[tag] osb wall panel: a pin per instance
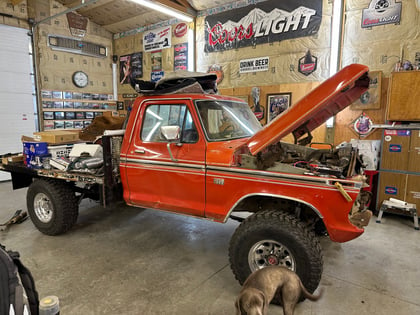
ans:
(298, 91)
(283, 55)
(56, 67)
(344, 119)
(369, 45)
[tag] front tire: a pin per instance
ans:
(52, 206)
(271, 238)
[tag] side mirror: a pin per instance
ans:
(170, 133)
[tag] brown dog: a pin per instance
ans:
(261, 286)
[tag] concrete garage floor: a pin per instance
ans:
(135, 261)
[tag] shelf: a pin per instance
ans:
(64, 116)
(77, 100)
(76, 110)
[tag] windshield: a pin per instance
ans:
(226, 120)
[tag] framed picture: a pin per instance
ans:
(68, 125)
(58, 105)
(77, 95)
(371, 99)
(277, 104)
(80, 115)
(46, 94)
(48, 115)
(78, 124)
(68, 105)
(47, 104)
(57, 94)
(58, 115)
(48, 125)
(58, 124)
(67, 95)
(69, 115)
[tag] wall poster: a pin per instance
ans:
(265, 22)
(156, 39)
(156, 60)
(181, 56)
(131, 67)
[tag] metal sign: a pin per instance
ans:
(77, 24)
(254, 64)
(381, 12)
(307, 64)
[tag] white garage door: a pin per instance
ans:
(17, 114)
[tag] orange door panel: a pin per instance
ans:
(170, 176)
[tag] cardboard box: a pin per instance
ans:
(57, 136)
(395, 150)
(391, 185)
(12, 159)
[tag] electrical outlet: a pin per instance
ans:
(384, 59)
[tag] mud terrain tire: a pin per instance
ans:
(52, 206)
(273, 237)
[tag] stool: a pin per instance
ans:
(409, 207)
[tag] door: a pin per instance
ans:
(168, 174)
(17, 116)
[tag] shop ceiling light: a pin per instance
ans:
(164, 9)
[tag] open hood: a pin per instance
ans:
(323, 102)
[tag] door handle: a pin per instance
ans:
(140, 151)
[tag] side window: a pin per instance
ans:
(157, 116)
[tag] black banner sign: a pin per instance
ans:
(264, 22)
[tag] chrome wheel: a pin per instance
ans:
(270, 253)
(43, 208)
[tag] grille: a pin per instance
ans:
(76, 46)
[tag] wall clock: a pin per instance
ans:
(80, 79)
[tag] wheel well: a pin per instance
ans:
(299, 210)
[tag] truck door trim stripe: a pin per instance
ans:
(162, 163)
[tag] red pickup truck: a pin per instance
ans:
(207, 156)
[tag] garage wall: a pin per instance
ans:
(379, 47)
(56, 67)
(128, 44)
(284, 56)
(18, 11)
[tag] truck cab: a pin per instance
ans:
(172, 141)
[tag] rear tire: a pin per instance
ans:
(52, 206)
(271, 238)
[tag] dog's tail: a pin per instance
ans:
(310, 296)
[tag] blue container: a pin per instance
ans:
(34, 153)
